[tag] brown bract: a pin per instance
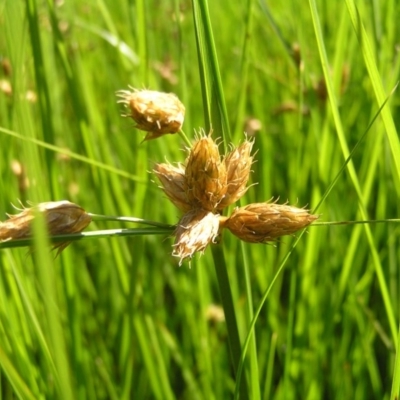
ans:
(265, 222)
(62, 217)
(155, 112)
(206, 177)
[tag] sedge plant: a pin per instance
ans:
(277, 303)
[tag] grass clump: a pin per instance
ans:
(310, 316)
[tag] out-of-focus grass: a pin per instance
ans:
(116, 317)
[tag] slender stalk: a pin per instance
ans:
(88, 235)
(371, 221)
(98, 217)
(230, 315)
(185, 138)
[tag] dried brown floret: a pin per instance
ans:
(238, 166)
(173, 183)
(265, 222)
(195, 231)
(155, 112)
(62, 217)
(206, 178)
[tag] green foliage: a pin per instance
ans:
(116, 317)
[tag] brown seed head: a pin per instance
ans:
(62, 217)
(194, 232)
(173, 183)
(155, 112)
(265, 222)
(238, 165)
(206, 177)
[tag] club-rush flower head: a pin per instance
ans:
(265, 222)
(205, 175)
(194, 232)
(206, 184)
(155, 112)
(62, 217)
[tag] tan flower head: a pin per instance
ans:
(194, 232)
(173, 183)
(238, 166)
(206, 178)
(155, 112)
(265, 222)
(62, 217)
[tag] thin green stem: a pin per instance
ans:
(98, 217)
(185, 138)
(88, 235)
(371, 221)
(230, 315)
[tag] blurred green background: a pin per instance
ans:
(117, 318)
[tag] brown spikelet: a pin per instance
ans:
(173, 183)
(17, 226)
(155, 112)
(62, 217)
(206, 178)
(238, 165)
(265, 222)
(195, 231)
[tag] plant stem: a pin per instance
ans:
(230, 315)
(371, 221)
(98, 217)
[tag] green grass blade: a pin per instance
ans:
(395, 392)
(56, 338)
(69, 153)
(20, 387)
(221, 269)
(216, 115)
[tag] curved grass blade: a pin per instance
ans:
(20, 387)
(71, 154)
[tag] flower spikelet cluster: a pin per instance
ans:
(265, 222)
(206, 184)
(155, 112)
(62, 217)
